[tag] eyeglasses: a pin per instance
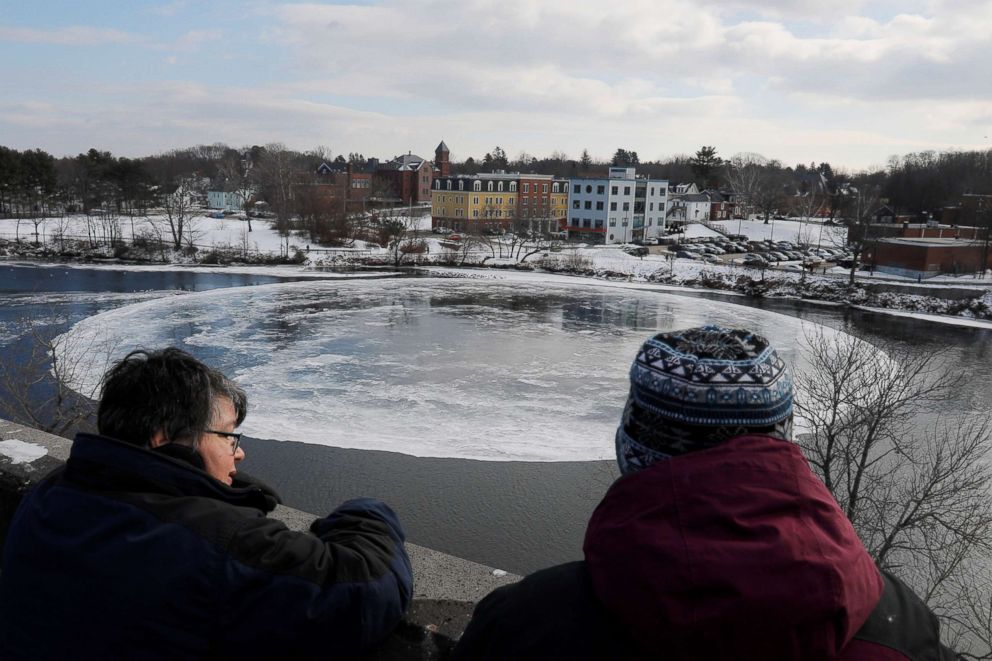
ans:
(228, 434)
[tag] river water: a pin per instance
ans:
(483, 411)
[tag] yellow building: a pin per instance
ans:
(499, 201)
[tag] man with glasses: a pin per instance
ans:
(149, 544)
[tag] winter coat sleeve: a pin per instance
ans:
(337, 591)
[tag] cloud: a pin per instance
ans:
(169, 9)
(67, 36)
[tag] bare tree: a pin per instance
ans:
(860, 204)
(179, 212)
(744, 173)
(920, 498)
(38, 387)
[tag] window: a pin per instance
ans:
(626, 206)
(461, 185)
(526, 188)
(649, 222)
(477, 185)
(475, 200)
(588, 188)
(661, 191)
(489, 200)
(437, 185)
(577, 189)
(613, 206)
(588, 204)
(458, 212)
(586, 223)
(626, 190)
(526, 200)
(449, 184)
(599, 206)
(513, 187)
(613, 190)
(650, 206)
(575, 204)
(652, 191)
(475, 213)
(599, 223)
(613, 223)
(554, 187)
(499, 187)
(601, 189)
(499, 200)
(490, 187)
(544, 188)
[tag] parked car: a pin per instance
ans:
(444, 230)
(686, 255)
(755, 260)
(636, 251)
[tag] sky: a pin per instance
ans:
(847, 82)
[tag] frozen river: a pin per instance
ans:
(424, 366)
(484, 411)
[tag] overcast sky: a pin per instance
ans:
(842, 81)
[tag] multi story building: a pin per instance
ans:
(499, 201)
(408, 177)
(617, 209)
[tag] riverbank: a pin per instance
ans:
(949, 301)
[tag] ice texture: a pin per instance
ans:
(476, 369)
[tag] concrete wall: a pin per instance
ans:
(445, 587)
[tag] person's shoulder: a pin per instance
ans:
(900, 627)
(550, 614)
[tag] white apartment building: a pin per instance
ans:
(617, 209)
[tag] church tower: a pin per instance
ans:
(441, 162)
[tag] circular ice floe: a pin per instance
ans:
(531, 371)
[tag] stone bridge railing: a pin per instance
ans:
(446, 588)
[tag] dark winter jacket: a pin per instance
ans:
(736, 552)
(128, 553)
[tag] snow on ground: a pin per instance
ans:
(693, 230)
(20, 452)
(795, 231)
(208, 232)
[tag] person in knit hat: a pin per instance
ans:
(693, 389)
(716, 542)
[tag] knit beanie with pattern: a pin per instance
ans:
(693, 389)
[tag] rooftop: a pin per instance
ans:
(931, 241)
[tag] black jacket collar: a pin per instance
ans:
(100, 462)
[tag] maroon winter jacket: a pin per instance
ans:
(736, 552)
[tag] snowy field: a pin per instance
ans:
(795, 231)
(208, 232)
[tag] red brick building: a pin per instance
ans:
(339, 184)
(409, 177)
(927, 257)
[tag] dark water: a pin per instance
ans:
(515, 515)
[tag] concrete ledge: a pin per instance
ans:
(446, 588)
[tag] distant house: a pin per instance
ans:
(688, 208)
(684, 189)
(226, 200)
